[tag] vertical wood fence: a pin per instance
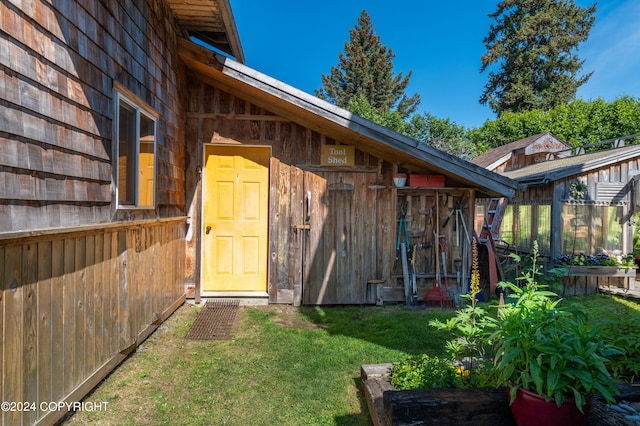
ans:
(76, 302)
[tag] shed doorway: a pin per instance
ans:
(235, 220)
(340, 250)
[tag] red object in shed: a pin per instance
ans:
(426, 181)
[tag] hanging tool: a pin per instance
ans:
(436, 296)
(405, 273)
(465, 251)
(461, 200)
(414, 286)
(402, 228)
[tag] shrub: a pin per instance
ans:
(426, 372)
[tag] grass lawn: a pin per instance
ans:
(284, 366)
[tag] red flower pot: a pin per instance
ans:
(531, 409)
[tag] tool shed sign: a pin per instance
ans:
(338, 155)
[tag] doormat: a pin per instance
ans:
(216, 320)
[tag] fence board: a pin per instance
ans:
(98, 297)
(79, 310)
(113, 328)
(12, 342)
(89, 337)
(124, 314)
(57, 320)
(45, 332)
(68, 315)
(30, 339)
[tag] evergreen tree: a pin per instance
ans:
(533, 44)
(366, 70)
(442, 134)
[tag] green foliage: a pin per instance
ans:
(578, 123)
(390, 119)
(533, 44)
(621, 329)
(426, 372)
(365, 69)
(537, 344)
(549, 350)
(442, 134)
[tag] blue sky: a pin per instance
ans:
(296, 41)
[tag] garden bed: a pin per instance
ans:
(579, 280)
(388, 406)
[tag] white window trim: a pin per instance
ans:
(141, 107)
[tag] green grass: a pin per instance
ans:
(307, 373)
(304, 373)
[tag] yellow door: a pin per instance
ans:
(235, 221)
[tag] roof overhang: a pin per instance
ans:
(340, 124)
(553, 170)
(210, 21)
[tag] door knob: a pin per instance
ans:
(207, 229)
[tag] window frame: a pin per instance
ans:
(140, 109)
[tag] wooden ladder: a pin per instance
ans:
(488, 235)
(493, 219)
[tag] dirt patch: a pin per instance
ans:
(287, 316)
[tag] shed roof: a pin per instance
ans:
(496, 156)
(548, 171)
(210, 21)
(339, 123)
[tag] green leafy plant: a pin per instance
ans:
(470, 345)
(426, 372)
(547, 349)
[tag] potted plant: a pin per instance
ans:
(549, 356)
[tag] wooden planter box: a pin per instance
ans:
(587, 279)
(473, 407)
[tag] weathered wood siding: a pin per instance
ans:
(76, 302)
(82, 282)
(58, 63)
(367, 221)
(332, 229)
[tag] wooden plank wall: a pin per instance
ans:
(76, 302)
(58, 62)
(216, 116)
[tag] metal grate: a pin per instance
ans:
(215, 321)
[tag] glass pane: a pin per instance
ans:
(146, 175)
(506, 228)
(544, 229)
(592, 229)
(612, 234)
(126, 153)
(524, 228)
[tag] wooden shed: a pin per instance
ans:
(135, 162)
(601, 221)
(332, 210)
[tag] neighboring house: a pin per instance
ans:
(135, 161)
(546, 211)
(524, 152)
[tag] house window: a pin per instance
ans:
(136, 148)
